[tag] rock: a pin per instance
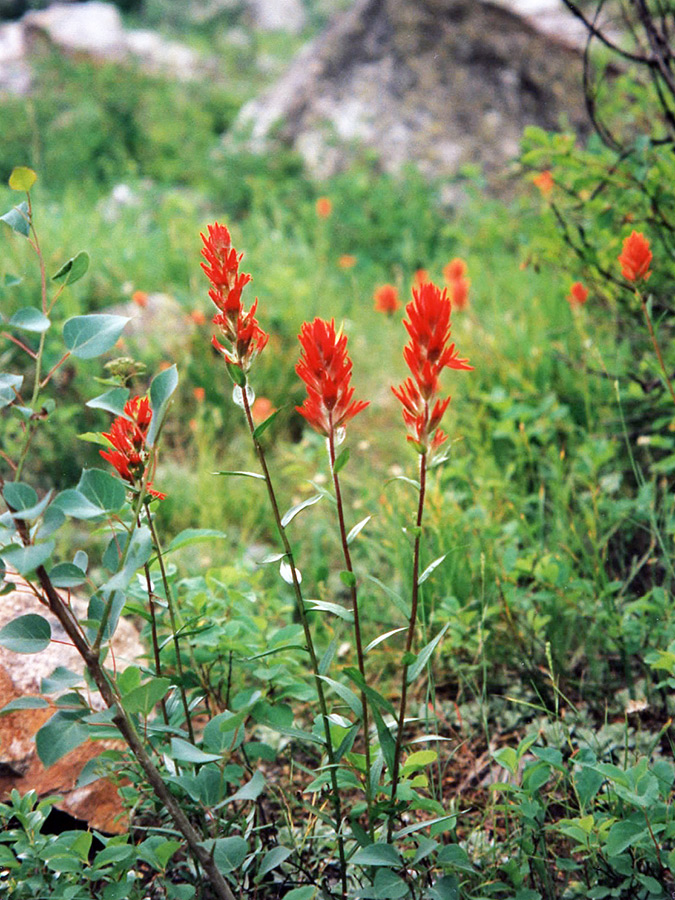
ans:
(440, 83)
(92, 29)
(278, 15)
(21, 675)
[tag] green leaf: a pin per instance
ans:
(73, 270)
(346, 694)
(306, 892)
(61, 734)
(387, 742)
(26, 634)
(73, 503)
(290, 514)
(246, 474)
(102, 489)
(190, 536)
(507, 757)
(19, 496)
(67, 575)
(112, 401)
(18, 219)
(455, 856)
(22, 178)
(161, 389)
(27, 559)
(272, 859)
(8, 860)
(184, 751)
(378, 855)
(143, 699)
(262, 428)
(430, 568)
(424, 655)
(89, 336)
(228, 853)
(419, 760)
(237, 374)
(348, 579)
(357, 529)
(11, 280)
(30, 319)
(341, 461)
(383, 637)
(624, 834)
(9, 386)
(60, 680)
(335, 608)
(93, 437)
(139, 553)
(445, 888)
(23, 703)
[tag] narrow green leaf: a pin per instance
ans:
(246, 474)
(419, 760)
(23, 703)
(161, 389)
(190, 536)
(290, 514)
(387, 742)
(383, 637)
(185, 752)
(251, 790)
(237, 374)
(272, 859)
(424, 655)
(357, 529)
(348, 579)
(335, 608)
(27, 559)
(262, 428)
(93, 437)
(346, 694)
(61, 734)
(30, 319)
(72, 270)
(111, 401)
(430, 568)
(18, 219)
(11, 280)
(139, 553)
(89, 336)
(22, 178)
(341, 461)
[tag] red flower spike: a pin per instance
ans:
(326, 370)
(427, 353)
(386, 299)
(128, 434)
(454, 270)
(635, 257)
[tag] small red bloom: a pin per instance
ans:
(544, 181)
(635, 257)
(454, 270)
(326, 369)
(386, 299)
(421, 277)
(324, 207)
(347, 261)
(128, 434)
(239, 327)
(578, 294)
(140, 298)
(460, 293)
(427, 353)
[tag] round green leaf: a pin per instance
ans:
(67, 575)
(22, 178)
(26, 559)
(18, 219)
(74, 269)
(30, 319)
(89, 336)
(27, 634)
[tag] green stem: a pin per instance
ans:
(172, 617)
(337, 805)
(155, 641)
(655, 343)
(409, 641)
(357, 624)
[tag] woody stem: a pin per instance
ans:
(655, 343)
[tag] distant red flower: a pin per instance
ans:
(635, 257)
(199, 393)
(326, 369)
(198, 317)
(427, 353)
(544, 181)
(454, 270)
(578, 294)
(128, 435)
(386, 299)
(324, 207)
(262, 409)
(239, 327)
(421, 277)
(460, 293)
(140, 298)
(347, 261)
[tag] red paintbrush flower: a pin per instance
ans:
(427, 353)
(578, 294)
(326, 369)
(635, 257)
(128, 434)
(239, 327)
(386, 299)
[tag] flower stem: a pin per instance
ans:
(300, 606)
(357, 624)
(409, 639)
(655, 343)
(172, 617)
